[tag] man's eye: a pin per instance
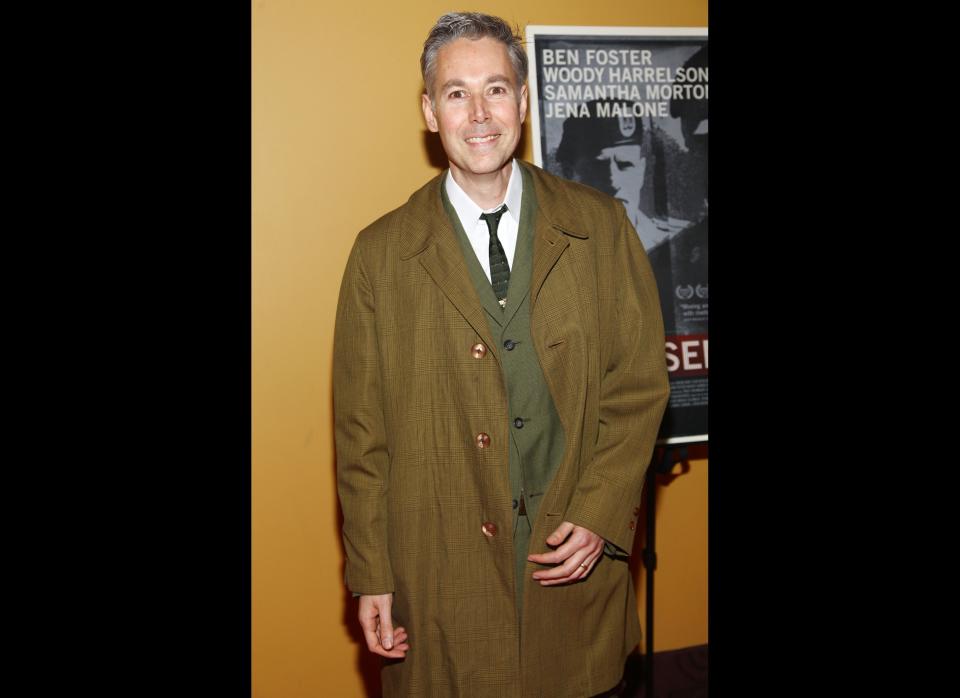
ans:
(498, 90)
(457, 94)
(623, 164)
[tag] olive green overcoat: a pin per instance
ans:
(421, 421)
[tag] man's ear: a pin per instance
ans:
(428, 114)
(642, 166)
(523, 102)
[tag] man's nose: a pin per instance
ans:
(614, 173)
(479, 108)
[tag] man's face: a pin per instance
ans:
(478, 108)
(624, 165)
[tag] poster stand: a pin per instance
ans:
(661, 463)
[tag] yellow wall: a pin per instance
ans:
(337, 141)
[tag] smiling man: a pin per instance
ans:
(499, 378)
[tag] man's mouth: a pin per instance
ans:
(483, 139)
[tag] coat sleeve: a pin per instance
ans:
(361, 444)
(634, 390)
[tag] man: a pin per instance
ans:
(499, 377)
(606, 152)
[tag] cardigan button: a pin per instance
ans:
(478, 350)
(489, 529)
(483, 440)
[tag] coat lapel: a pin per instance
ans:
(555, 220)
(555, 311)
(428, 233)
(548, 246)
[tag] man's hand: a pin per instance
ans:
(574, 559)
(382, 638)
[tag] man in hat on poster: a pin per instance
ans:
(607, 152)
(499, 378)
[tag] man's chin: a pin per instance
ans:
(480, 169)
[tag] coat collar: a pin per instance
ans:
(556, 216)
(554, 208)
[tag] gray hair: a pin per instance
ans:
(471, 25)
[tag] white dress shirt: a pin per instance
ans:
(476, 228)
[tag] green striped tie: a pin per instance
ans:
(499, 268)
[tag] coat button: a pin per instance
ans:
(509, 344)
(632, 524)
(489, 529)
(518, 422)
(478, 350)
(515, 503)
(483, 440)
(636, 511)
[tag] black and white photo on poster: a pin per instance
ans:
(624, 110)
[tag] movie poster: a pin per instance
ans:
(624, 110)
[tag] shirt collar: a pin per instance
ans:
(469, 212)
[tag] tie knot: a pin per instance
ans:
(493, 219)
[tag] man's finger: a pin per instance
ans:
(398, 652)
(564, 570)
(586, 549)
(578, 573)
(373, 642)
(386, 626)
(560, 534)
(368, 623)
(554, 556)
(400, 639)
(580, 539)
